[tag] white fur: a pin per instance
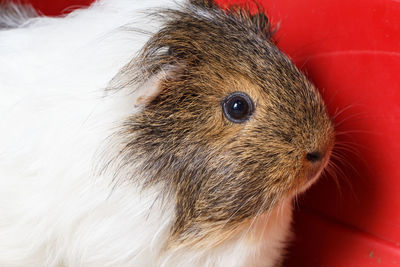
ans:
(55, 117)
(13, 15)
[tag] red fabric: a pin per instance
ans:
(351, 50)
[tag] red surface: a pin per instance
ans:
(325, 243)
(56, 7)
(351, 50)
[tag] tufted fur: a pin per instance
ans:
(114, 150)
(13, 15)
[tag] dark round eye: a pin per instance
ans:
(237, 107)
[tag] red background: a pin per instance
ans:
(351, 50)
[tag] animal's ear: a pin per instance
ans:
(203, 3)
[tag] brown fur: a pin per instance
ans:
(222, 174)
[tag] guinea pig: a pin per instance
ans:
(152, 133)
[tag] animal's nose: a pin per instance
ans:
(314, 156)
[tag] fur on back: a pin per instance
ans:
(57, 120)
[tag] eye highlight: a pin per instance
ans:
(237, 107)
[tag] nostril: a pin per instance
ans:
(314, 156)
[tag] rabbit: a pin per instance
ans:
(152, 133)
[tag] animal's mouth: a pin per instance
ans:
(315, 175)
(314, 170)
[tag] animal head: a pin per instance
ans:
(233, 127)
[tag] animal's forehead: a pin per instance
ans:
(263, 85)
(262, 65)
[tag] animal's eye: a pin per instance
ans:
(237, 107)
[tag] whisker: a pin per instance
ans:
(351, 117)
(345, 177)
(255, 217)
(296, 201)
(338, 113)
(342, 143)
(346, 162)
(230, 218)
(347, 132)
(268, 216)
(329, 102)
(347, 149)
(330, 170)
